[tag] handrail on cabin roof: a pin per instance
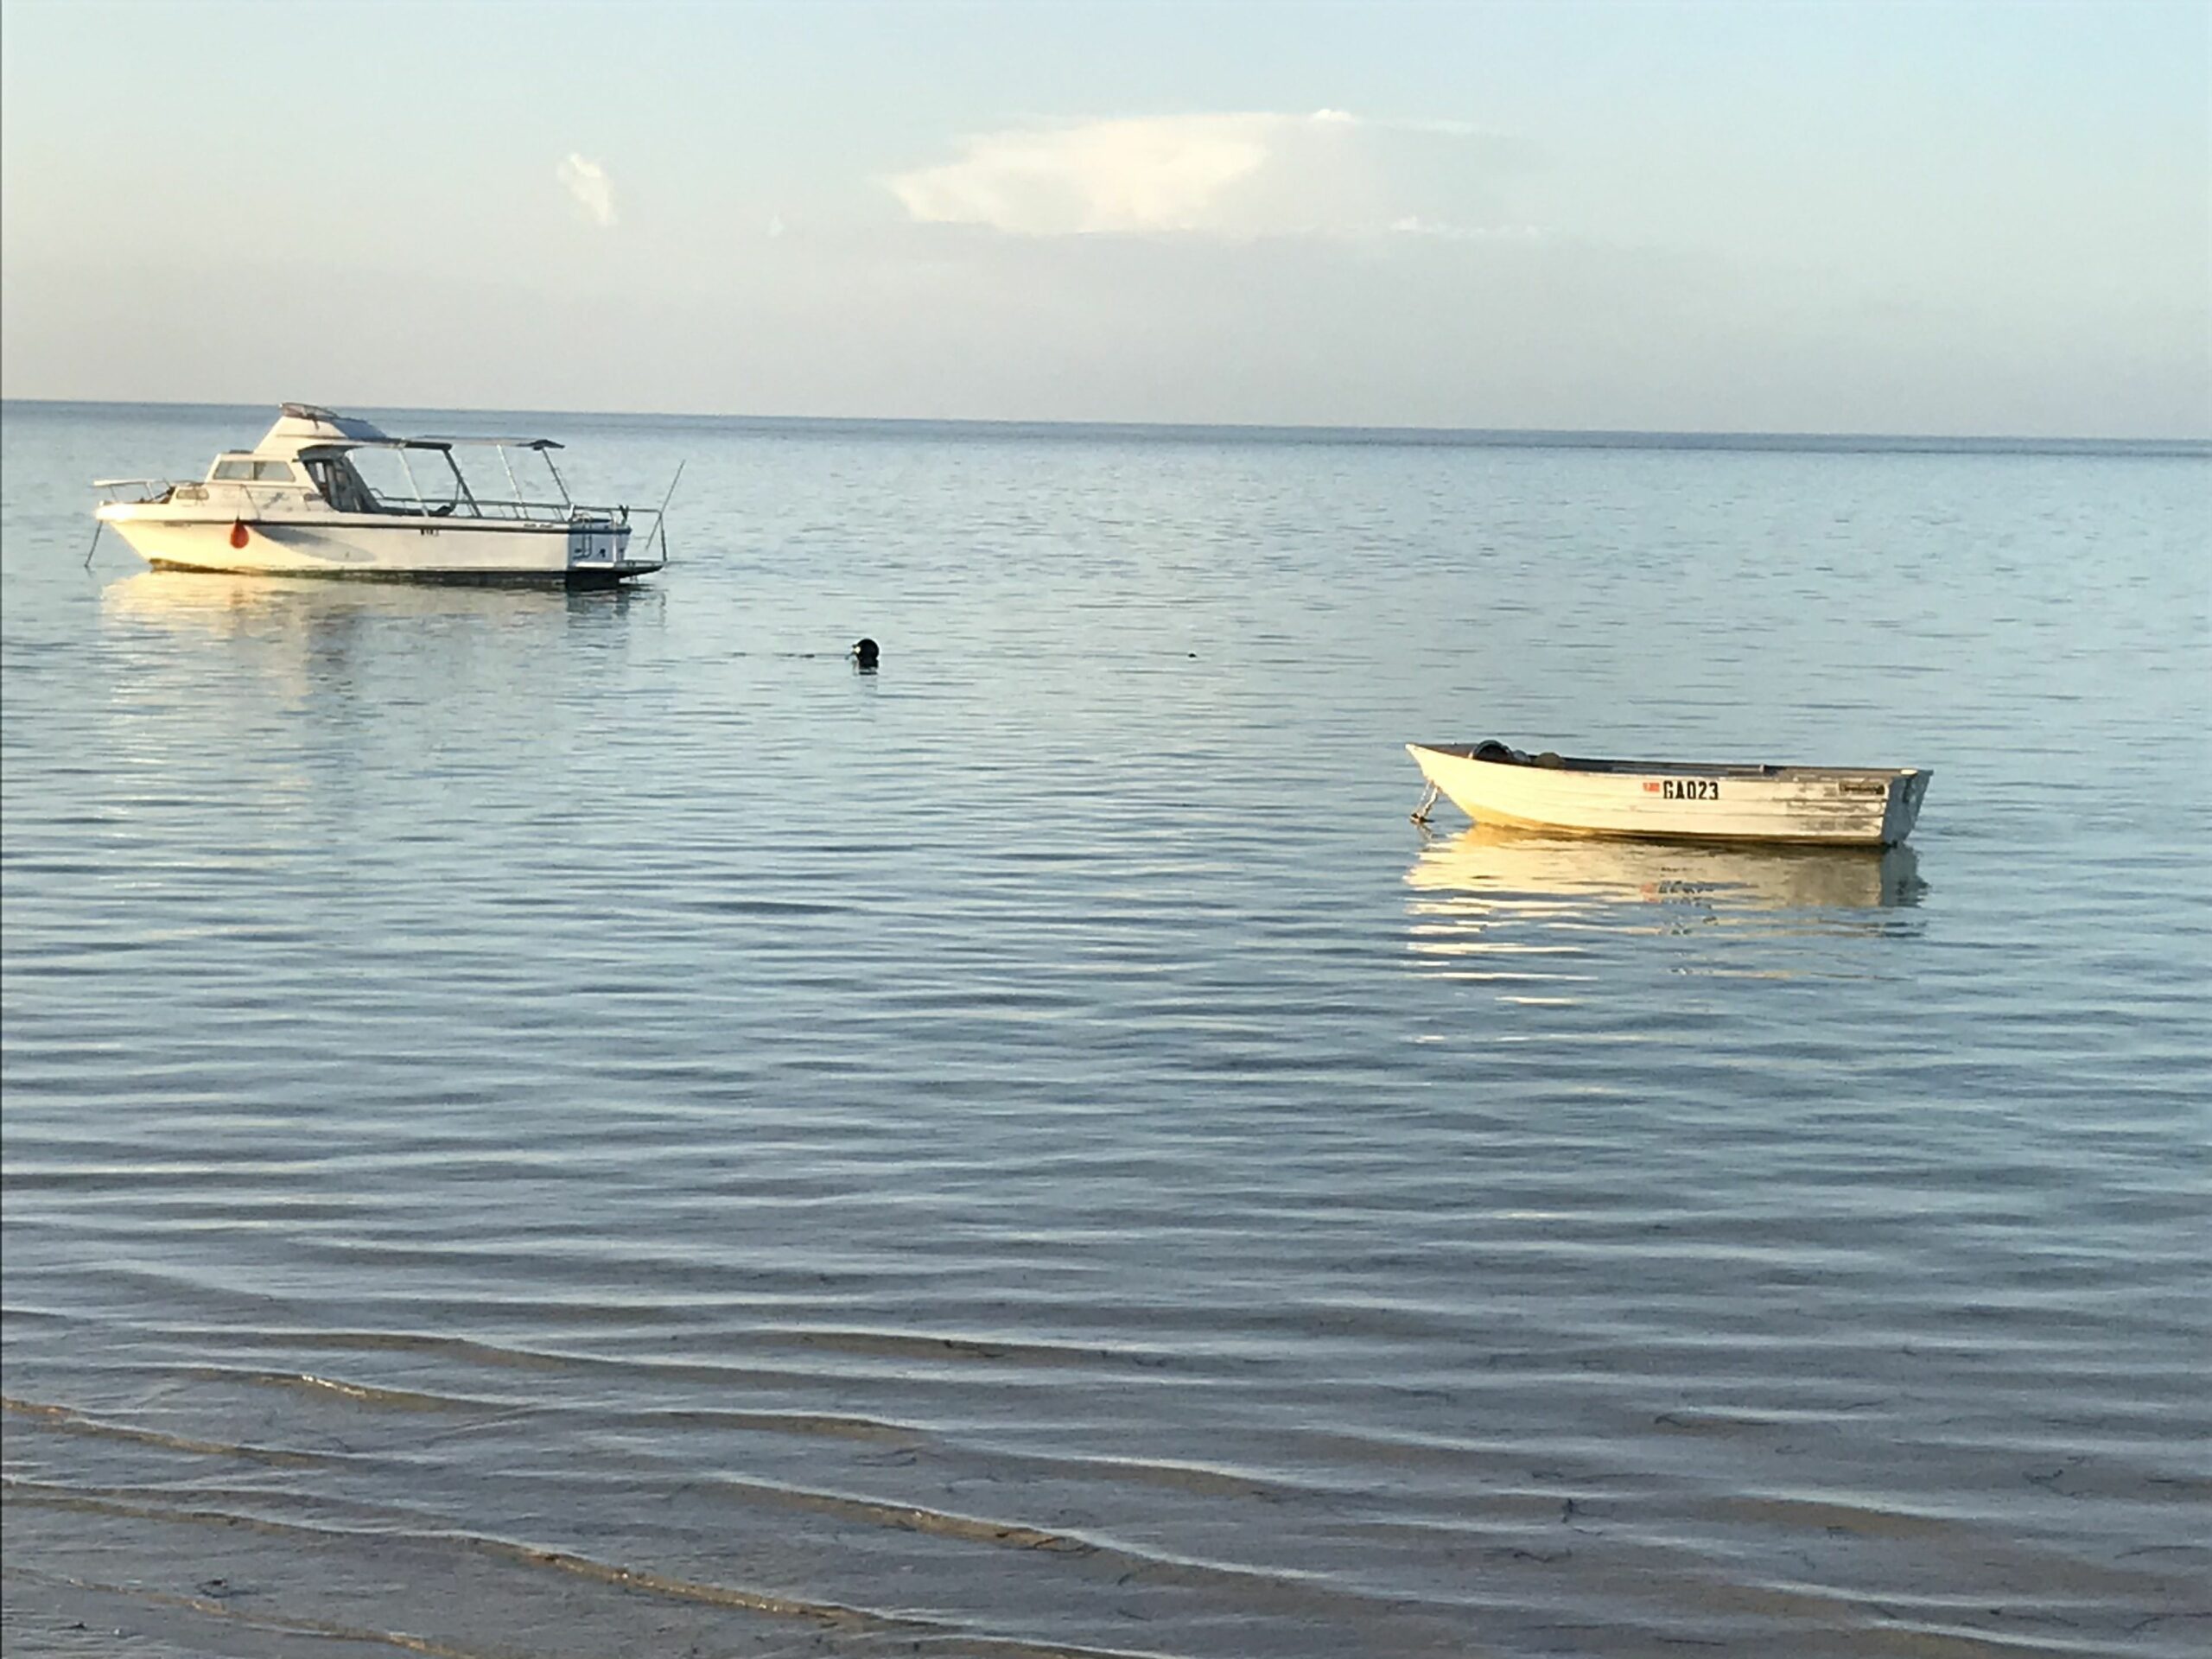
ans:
(322, 416)
(317, 444)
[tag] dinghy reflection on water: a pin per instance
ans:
(1526, 903)
(1497, 861)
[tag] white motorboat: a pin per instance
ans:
(297, 504)
(1836, 806)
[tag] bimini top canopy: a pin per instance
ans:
(301, 427)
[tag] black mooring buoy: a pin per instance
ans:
(864, 656)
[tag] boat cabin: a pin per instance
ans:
(309, 454)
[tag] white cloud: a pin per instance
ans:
(1237, 175)
(587, 182)
(1160, 174)
(1414, 225)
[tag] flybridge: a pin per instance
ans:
(298, 424)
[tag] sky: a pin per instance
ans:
(1880, 218)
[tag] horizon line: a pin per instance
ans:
(1438, 436)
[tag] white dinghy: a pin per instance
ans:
(295, 505)
(1834, 806)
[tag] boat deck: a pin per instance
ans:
(1674, 768)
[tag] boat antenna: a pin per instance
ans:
(660, 519)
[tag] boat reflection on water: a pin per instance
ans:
(1493, 859)
(1526, 894)
(306, 638)
(205, 601)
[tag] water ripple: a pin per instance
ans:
(557, 1123)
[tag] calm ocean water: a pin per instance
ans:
(543, 1124)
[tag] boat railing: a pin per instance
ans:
(144, 491)
(651, 519)
(150, 489)
(533, 512)
(547, 512)
(149, 492)
(643, 523)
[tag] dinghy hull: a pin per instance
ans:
(1833, 806)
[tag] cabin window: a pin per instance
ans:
(241, 470)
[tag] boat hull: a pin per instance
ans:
(407, 549)
(1831, 806)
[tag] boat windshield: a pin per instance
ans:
(404, 480)
(341, 485)
(439, 477)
